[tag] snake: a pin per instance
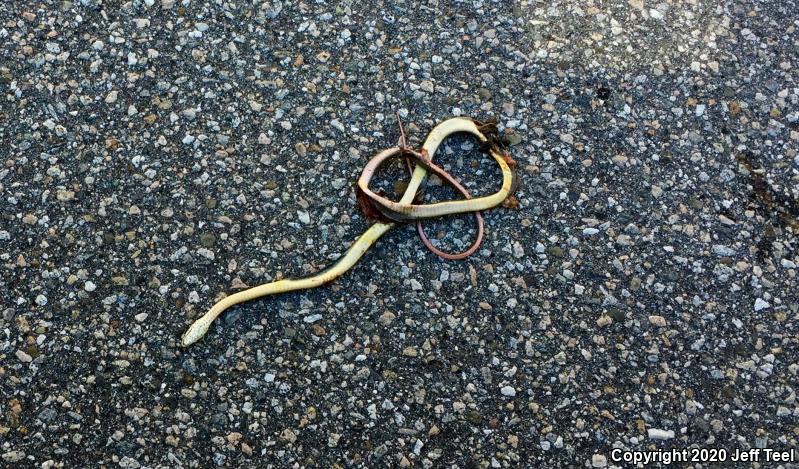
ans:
(388, 213)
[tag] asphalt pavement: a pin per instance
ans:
(159, 153)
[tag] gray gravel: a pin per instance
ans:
(159, 152)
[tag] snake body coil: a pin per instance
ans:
(403, 211)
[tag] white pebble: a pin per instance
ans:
(206, 253)
(140, 317)
(337, 124)
(89, 286)
(23, 357)
(760, 303)
(658, 434)
(508, 391)
(194, 297)
(599, 460)
(659, 321)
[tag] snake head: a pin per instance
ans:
(194, 333)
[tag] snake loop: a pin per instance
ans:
(376, 207)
